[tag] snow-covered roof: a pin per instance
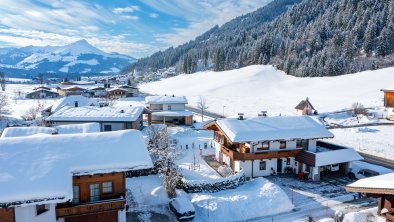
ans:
(329, 157)
(166, 100)
(70, 101)
(173, 113)
(26, 131)
(38, 169)
(388, 90)
(78, 128)
(99, 114)
(128, 87)
(384, 183)
(114, 89)
(62, 129)
(273, 128)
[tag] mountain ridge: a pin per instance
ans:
(77, 57)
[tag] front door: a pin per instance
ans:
(279, 166)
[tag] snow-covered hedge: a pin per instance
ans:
(142, 172)
(215, 185)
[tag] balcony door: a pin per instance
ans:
(279, 165)
(94, 192)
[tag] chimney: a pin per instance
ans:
(76, 104)
(240, 116)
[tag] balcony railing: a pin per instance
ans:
(92, 207)
(234, 155)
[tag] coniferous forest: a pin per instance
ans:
(302, 38)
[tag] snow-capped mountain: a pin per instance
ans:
(77, 57)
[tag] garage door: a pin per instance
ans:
(110, 216)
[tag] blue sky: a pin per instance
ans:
(133, 27)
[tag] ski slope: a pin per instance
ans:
(261, 87)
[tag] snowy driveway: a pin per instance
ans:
(317, 199)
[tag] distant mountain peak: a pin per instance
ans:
(80, 47)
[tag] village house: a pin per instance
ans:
(305, 107)
(381, 187)
(69, 178)
(109, 118)
(41, 92)
(169, 109)
(71, 90)
(263, 146)
(116, 93)
(69, 101)
(132, 91)
(389, 102)
(97, 91)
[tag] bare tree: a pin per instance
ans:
(358, 109)
(163, 155)
(33, 112)
(3, 81)
(41, 78)
(202, 105)
(3, 104)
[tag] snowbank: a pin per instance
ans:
(256, 198)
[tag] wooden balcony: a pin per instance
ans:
(89, 208)
(234, 155)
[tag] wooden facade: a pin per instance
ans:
(7, 215)
(106, 203)
(385, 200)
(389, 99)
(239, 151)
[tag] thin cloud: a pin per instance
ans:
(201, 15)
(153, 15)
(127, 9)
(130, 17)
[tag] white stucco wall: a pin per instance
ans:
(115, 126)
(291, 144)
(174, 106)
(312, 146)
(274, 145)
(29, 214)
(121, 215)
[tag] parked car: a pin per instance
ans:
(330, 168)
(364, 173)
(182, 208)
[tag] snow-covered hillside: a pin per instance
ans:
(262, 87)
(77, 57)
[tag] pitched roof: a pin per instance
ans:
(273, 128)
(70, 101)
(166, 100)
(97, 114)
(38, 169)
(62, 129)
(27, 131)
(303, 104)
(382, 184)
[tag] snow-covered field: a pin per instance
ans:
(374, 140)
(261, 87)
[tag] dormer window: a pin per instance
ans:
(282, 145)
